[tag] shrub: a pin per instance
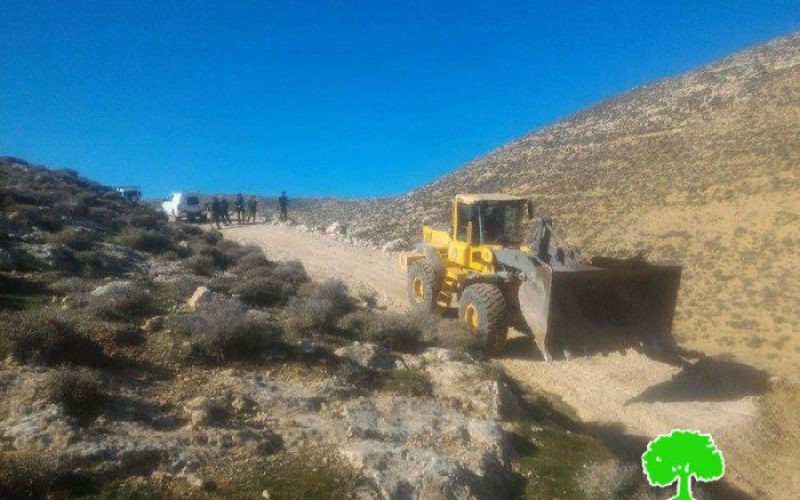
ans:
(70, 285)
(225, 332)
(608, 480)
(51, 339)
(317, 308)
(123, 302)
(264, 292)
(184, 230)
(212, 237)
(145, 240)
(254, 258)
(99, 262)
(230, 252)
(42, 217)
(73, 238)
(200, 264)
(291, 272)
(26, 475)
(403, 332)
(147, 219)
(79, 391)
(407, 383)
(456, 335)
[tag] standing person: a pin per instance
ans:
(238, 206)
(252, 207)
(216, 211)
(225, 211)
(283, 204)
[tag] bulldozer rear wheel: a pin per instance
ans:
(423, 286)
(483, 307)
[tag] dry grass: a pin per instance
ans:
(49, 338)
(122, 304)
(146, 240)
(317, 308)
(403, 332)
(26, 475)
(80, 391)
(263, 292)
(223, 333)
(457, 335)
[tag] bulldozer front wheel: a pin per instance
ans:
(422, 286)
(483, 308)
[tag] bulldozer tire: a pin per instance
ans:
(483, 307)
(423, 287)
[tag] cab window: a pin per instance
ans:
(500, 223)
(464, 214)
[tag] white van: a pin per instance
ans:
(185, 206)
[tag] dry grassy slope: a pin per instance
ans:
(703, 168)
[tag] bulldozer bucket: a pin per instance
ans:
(607, 305)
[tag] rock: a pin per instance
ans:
(207, 411)
(337, 228)
(196, 481)
(203, 298)
(398, 245)
(474, 387)
(154, 324)
(405, 472)
(368, 355)
(113, 288)
(241, 404)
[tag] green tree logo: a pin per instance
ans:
(681, 456)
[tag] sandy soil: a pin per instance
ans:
(626, 398)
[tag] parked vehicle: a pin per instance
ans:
(131, 193)
(186, 206)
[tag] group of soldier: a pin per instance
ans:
(245, 210)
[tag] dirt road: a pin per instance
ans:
(627, 399)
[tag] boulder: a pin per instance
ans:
(116, 288)
(204, 410)
(367, 355)
(474, 388)
(154, 324)
(202, 298)
(337, 228)
(398, 245)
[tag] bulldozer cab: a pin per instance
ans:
(494, 220)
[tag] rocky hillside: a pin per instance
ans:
(701, 168)
(141, 358)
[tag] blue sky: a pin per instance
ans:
(341, 97)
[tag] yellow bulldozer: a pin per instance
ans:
(539, 286)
